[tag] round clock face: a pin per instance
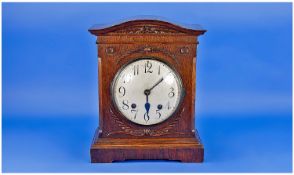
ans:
(147, 91)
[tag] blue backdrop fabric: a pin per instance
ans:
(244, 85)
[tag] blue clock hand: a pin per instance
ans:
(147, 105)
(147, 93)
(146, 115)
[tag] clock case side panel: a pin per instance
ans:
(113, 56)
(100, 92)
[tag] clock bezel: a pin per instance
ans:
(182, 93)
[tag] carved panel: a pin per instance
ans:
(129, 130)
(146, 29)
(147, 49)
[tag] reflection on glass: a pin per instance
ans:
(169, 79)
(128, 77)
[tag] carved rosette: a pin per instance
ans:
(126, 129)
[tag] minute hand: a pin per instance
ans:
(159, 81)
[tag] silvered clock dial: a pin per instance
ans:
(147, 91)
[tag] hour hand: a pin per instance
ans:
(147, 105)
(146, 115)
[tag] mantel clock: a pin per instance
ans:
(147, 83)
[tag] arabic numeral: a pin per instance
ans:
(136, 112)
(168, 106)
(125, 105)
(148, 66)
(159, 70)
(122, 91)
(171, 94)
(159, 107)
(158, 112)
(136, 70)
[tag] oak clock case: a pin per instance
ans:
(147, 83)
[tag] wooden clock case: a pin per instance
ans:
(117, 138)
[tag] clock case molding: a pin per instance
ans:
(117, 138)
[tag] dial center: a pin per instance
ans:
(147, 92)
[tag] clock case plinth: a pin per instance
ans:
(117, 138)
(107, 150)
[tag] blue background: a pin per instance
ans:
(244, 85)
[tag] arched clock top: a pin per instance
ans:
(146, 27)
